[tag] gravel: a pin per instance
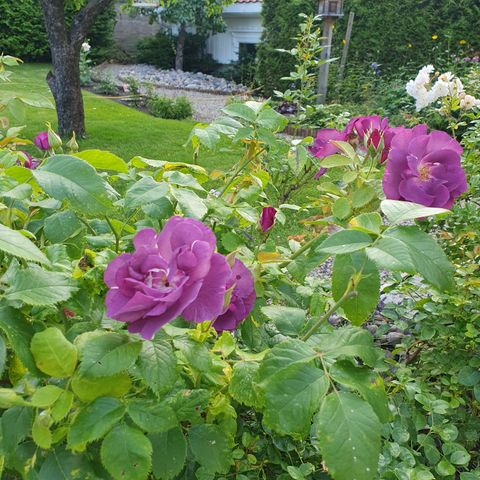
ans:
(207, 94)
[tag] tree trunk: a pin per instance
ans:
(64, 82)
(65, 45)
(182, 34)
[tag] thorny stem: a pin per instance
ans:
(115, 234)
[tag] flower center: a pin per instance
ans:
(423, 173)
(157, 278)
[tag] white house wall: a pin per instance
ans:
(241, 28)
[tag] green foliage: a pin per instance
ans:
(281, 22)
(22, 31)
(174, 109)
(159, 50)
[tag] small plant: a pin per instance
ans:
(85, 64)
(174, 109)
(107, 86)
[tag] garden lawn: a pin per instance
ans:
(111, 126)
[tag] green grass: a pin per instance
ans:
(111, 126)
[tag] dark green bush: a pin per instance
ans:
(22, 32)
(173, 109)
(396, 33)
(281, 22)
(159, 50)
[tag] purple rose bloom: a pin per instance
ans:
(242, 301)
(267, 219)
(41, 141)
(28, 161)
(424, 168)
(322, 147)
(171, 273)
(320, 173)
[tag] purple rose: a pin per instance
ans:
(171, 273)
(267, 219)
(41, 141)
(320, 173)
(323, 147)
(424, 168)
(28, 161)
(371, 130)
(242, 301)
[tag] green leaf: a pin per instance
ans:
(94, 421)
(348, 433)
(19, 333)
(429, 259)
(62, 406)
(65, 177)
(190, 203)
(46, 396)
(144, 192)
(108, 354)
(362, 272)
(271, 119)
(345, 241)
(367, 383)
(363, 196)
(157, 365)
(348, 342)
(391, 254)
(211, 448)
(63, 465)
(61, 226)
(88, 389)
(152, 417)
(183, 180)
(103, 160)
(282, 356)
(241, 110)
(35, 286)
(126, 453)
(41, 434)
(397, 211)
(53, 353)
(292, 397)
(3, 355)
(445, 468)
(189, 405)
(367, 222)
(16, 244)
(289, 321)
(16, 425)
(242, 383)
(169, 453)
(342, 208)
(469, 376)
(335, 161)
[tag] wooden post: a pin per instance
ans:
(343, 62)
(325, 67)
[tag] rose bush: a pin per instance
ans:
(156, 327)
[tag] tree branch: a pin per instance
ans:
(84, 19)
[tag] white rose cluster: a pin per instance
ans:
(86, 47)
(425, 91)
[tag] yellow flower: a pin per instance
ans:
(434, 37)
(462, 42)
(344, 41)
(410, 45)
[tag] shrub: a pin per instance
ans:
(22, 31)
(159, 50)
(107, 86)
(173, 109)
(281, 23)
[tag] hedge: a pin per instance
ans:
(22, 32)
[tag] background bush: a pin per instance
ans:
(281, 23)
(173, 109)
(22, 32)
(159, 50)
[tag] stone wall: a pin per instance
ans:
(130, 29)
